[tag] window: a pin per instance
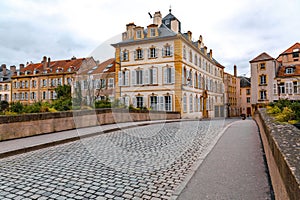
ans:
(138, 76)
(169, 75)
(123, 78)
(262, 65)
(44, 95)
(263, 95)
(191, 104)
(281, 88)
(111, 83)
(44, 83)
(295, 53)
(102, 83)
(248, 92)
(168, 103)
(152, 32)
(69, 81)
(5, 87)
(263, 80)
(248, 99)
(295, 84)
(33, 96)
(125, 55)
(138, 54)
(26, 96)
(274, 88)
(184, 103)
(139, 102)
(289, 70)
(153, 76)
(196, 59)
(33, 83)
(154, 102)
(138, 34)
(191, 56)
(288, 88)
(167, 51)
(152, 52)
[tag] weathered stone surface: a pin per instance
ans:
(284, 143)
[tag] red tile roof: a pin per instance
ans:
(61, 65)
(289, 51)
(107, 66)
(262, 57)
(282, 71)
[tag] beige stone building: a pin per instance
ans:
(37, 81)
(160, 68)
(245, 96)
(272, 79)
(5, 82)
(232, 94)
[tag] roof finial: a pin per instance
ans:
(170, 9)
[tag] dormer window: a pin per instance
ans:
(70, 69)
(289, 70)
(27, 72)
(152, 32)
(138, 34)
(35, 71)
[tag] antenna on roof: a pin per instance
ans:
(150, 15)
(170, 9)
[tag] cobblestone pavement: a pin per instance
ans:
(147, 162)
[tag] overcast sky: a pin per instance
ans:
(236, 30)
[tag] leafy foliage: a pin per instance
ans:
(285, 111)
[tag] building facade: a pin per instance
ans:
(5, 82)
(37, 81)
(161, 68)
(97, 83)
(232, 94)
(273, 79)
(245, 96)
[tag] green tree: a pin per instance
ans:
(64, 98)
(4, 105)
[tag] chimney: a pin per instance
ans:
(234, 71)
(200, 42)
(44, 62)
(130, 30)
(21, 67)
(157, 19)
(205, 50)
(48, 64)
(189, 33)
(13, 69)
(210, 53)
(3, 66)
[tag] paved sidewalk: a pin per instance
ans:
(234, 169)
(22, 145)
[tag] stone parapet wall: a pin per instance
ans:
(12, 127)
(282, 147)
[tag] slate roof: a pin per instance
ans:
(245, 81)
(107, 66)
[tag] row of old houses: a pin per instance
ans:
(160, 68)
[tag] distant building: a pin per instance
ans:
(37, 81)
(98, 82)
(232, 94)
(5, 82)
(272, 79)
(245, 96)
(161, 68)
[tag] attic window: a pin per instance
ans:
(167, 22)
(89, 72)
(109, 66)
(295, 53)
(289, 70)
(139, 34)
(70, 69)
(152, 32)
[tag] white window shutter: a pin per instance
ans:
(147, 76)
(134, 102)
(142, 75)
(135, 55)
(126, 77)
(156, 52)
(142, 53)
(144, 101)
(126, 101)
(148, 50)
(120, 78)
(122, 56)
(162, 51)
(161, 103)
(183, 77)
(171, 103)
(154, 70)
(173, 75)
(165, 75)
(133, 77)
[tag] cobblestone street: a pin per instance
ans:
(148, 162)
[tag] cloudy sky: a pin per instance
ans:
(236, 30)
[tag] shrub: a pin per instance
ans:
(273, 110)
(286, 115)
(16, 107)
